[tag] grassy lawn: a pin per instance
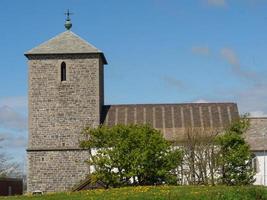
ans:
(159, 193)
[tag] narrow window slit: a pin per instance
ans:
(63, 71)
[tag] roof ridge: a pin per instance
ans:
(160, 104)
(84, 41)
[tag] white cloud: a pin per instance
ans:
(17, 142)
(9, 140)
(219, 3)
(249, 100)
(257, 114)
(173, 82)
(3, 136)
(253, 99)
(201, 50)
(14, 102)
(11, 119)
(201, 101)
(231, 57)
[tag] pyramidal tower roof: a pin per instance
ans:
(65, 43)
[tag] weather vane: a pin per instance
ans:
(68, 23)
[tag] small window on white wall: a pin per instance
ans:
(255, 164)
(63, 71)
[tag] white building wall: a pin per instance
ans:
(260, 164)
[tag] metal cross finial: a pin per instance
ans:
(68, 14)
(68, 23)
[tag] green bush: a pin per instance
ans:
(130, 155)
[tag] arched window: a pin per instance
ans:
(63, 71)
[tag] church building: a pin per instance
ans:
(66, 94)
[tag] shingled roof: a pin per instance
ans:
(255, 134)
(65, 43)
(172, 119)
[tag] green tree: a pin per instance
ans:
(125, 155)
(235, 155)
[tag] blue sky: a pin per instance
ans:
(159, 51)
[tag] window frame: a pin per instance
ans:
(63, 71)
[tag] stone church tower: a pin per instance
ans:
(66, 94)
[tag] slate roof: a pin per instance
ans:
(255, 134)
(65, 43)
(172, 119)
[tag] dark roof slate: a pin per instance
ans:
(172, 119)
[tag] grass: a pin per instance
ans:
(158, 193)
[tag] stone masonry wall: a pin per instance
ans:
(56, 170)
(58, 111)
